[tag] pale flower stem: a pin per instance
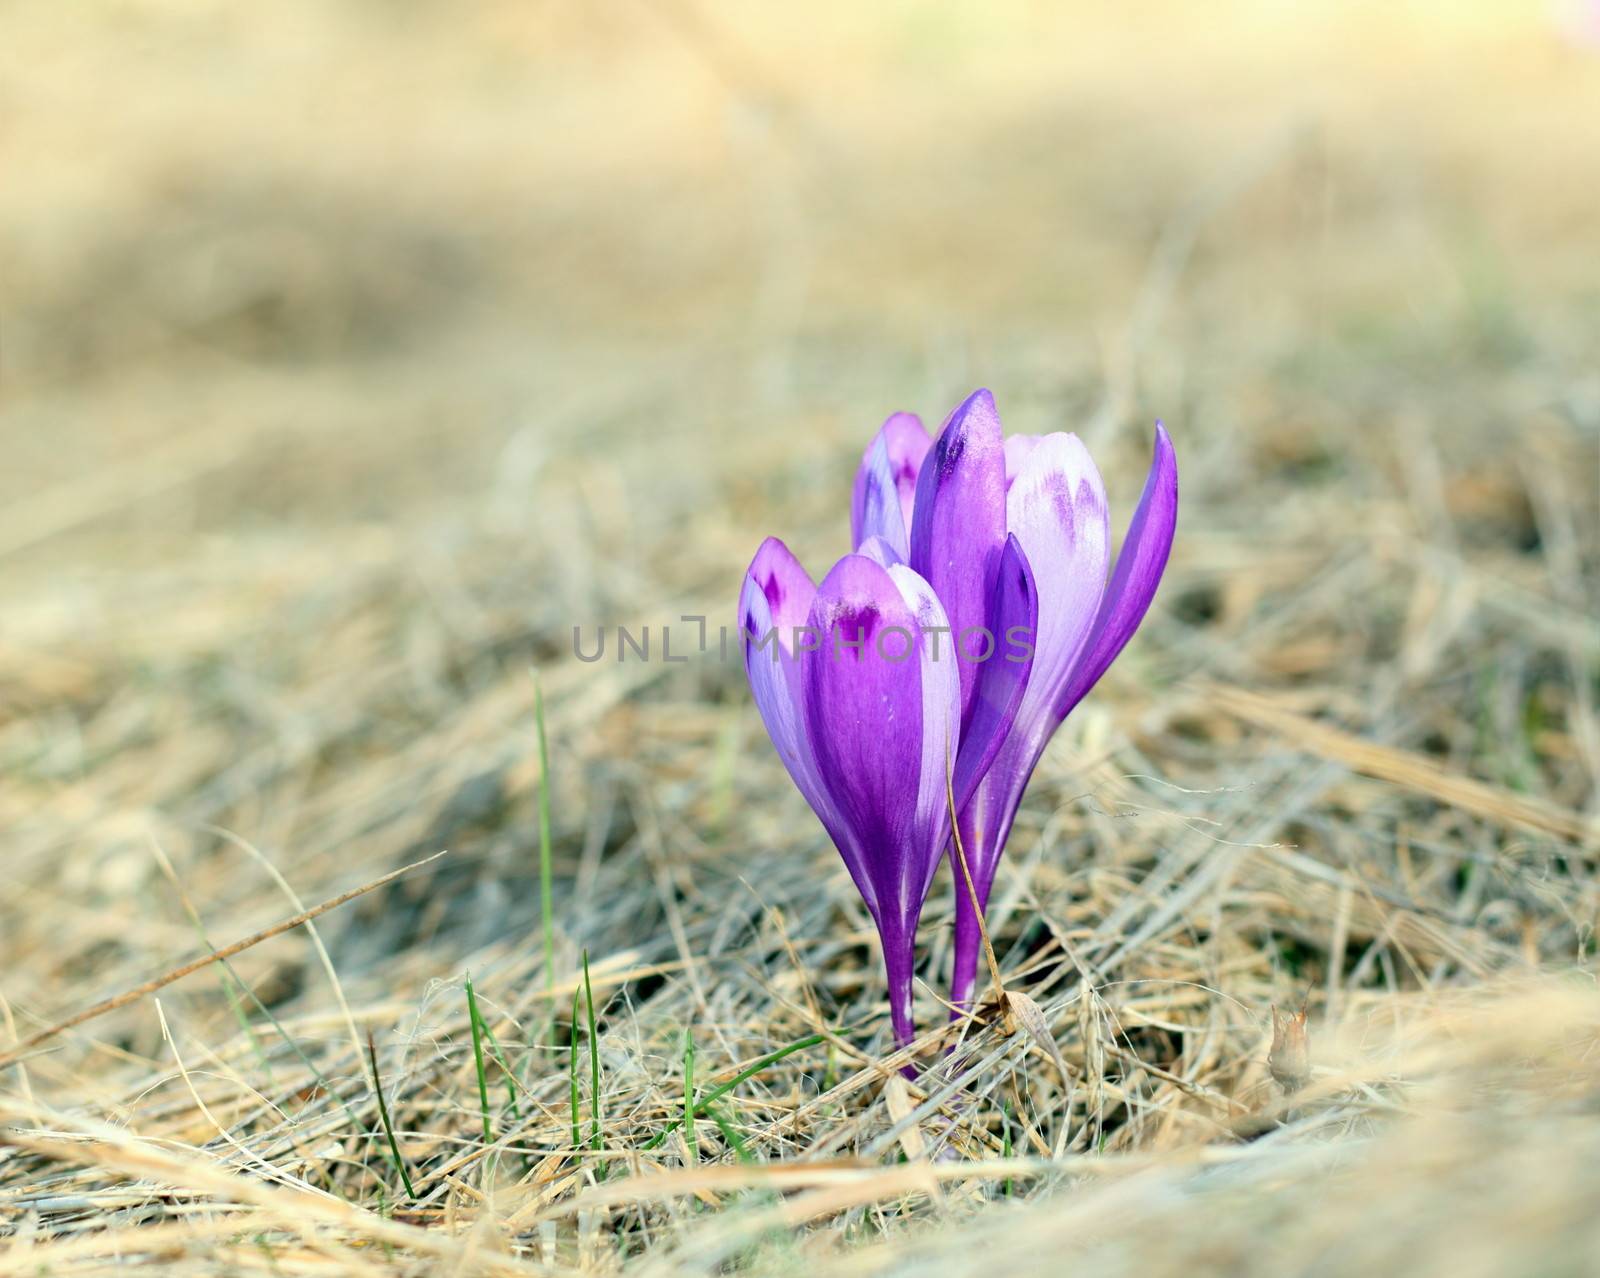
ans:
(966, 875)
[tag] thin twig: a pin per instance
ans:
(205, 960)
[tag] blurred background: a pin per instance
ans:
(350, 355)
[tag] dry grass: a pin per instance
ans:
(353, 354)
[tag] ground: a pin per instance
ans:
(353, 355)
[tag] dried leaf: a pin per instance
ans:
(1290, 1057)
(897, 1096)
(1024, 1012)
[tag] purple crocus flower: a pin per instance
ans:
(1037, 499)
(959, 545)
(866, 717)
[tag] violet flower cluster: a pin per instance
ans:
(937, 660)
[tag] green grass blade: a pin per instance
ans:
(477, 1058)
(511, 1080)
(232, 986)
(547, 916)
(383, 1114)
(572, 1076)
(722, 1089)
(595, 1139)
(730, 1133)
(688, 1093)
(1005, 1147)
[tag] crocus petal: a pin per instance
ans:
(1057, 509)
(880, 714)
(1140, 563)
(941, 687)
(1003, 677)
(786, 585)
(1018, 449)
(958, 525)
(777, 597)
(880, 552)
(1083, 625)
(886, 483)
(862, 707)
